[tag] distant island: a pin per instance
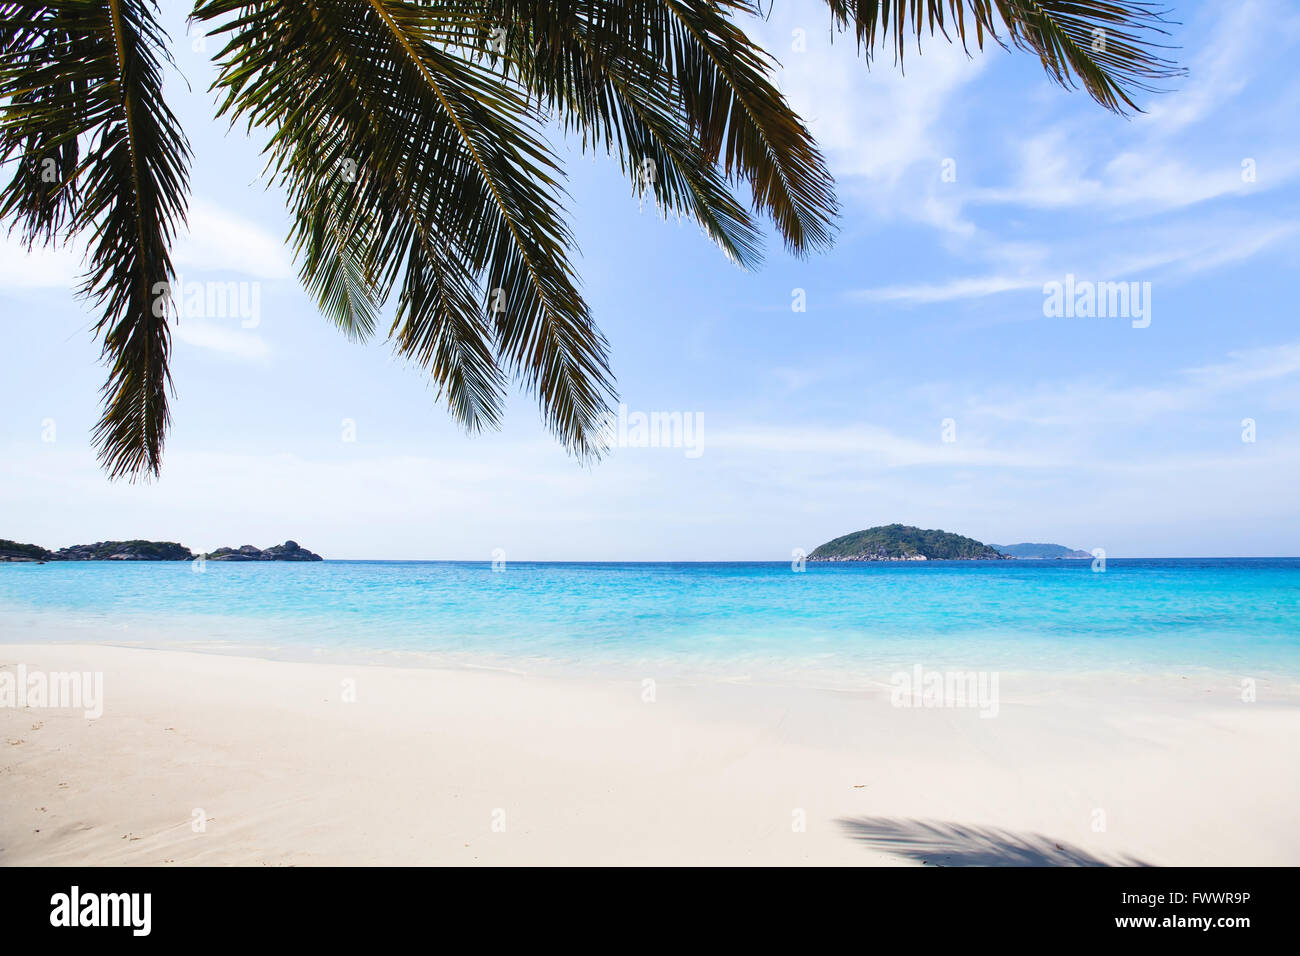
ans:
(150, 551)
(899, 542)
(289, 551)
(1040, 551)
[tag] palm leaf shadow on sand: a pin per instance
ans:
(940, 843)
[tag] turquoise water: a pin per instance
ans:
(1237, 615)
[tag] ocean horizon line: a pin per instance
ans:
(488, 559)
(777, 561)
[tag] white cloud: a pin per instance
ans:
(926, 293)
(1236, 248)
(873, 445)
(1248, 367)
(220, 243)
(42, 268)
(1167, 253)
(1052, 174)
(216, 242)
(227, 339)
(872, 122)
(1084, 403)
(1219, 70)
(1120, 181)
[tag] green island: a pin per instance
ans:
(900, 542)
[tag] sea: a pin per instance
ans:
(830, 624)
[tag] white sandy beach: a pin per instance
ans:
(473, 767)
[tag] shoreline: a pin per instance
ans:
(859, 676)
(477, 766)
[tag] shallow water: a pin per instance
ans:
(732, 619)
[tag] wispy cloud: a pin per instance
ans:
(1167, 253)
(925, 293)
(1093, 403)
(1219, 71)
(1159, 196)
(874, 123)
(215, 243)
(220, 243)
(41, 268)
(225, 339)
(1054, 173)
(873, 445)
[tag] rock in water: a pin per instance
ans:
(150, 551)
(289, 551)
(125, 551)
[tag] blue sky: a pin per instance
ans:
(1081, 430)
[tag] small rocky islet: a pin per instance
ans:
(289, 551)
(139, 550)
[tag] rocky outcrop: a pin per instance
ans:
(149, 551)
(246, 553)
(125, 551)
(289, 551)
(17, 551)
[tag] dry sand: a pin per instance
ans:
(474, 767)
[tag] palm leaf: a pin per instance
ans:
(38, 135)
(332, 242)
(85, 79)
(463, 193)
(746, 123)
(605, 69)
(608, 63)
(1110, 47)
(543, 328)
(343, 149)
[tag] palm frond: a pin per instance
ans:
(1112, 48)
(744, 121)
(39, 130)
(85, 80)
(332, 239)
(601, 67)
(341, 92)
(544, 331)
(1108, 45)
(606, 63)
